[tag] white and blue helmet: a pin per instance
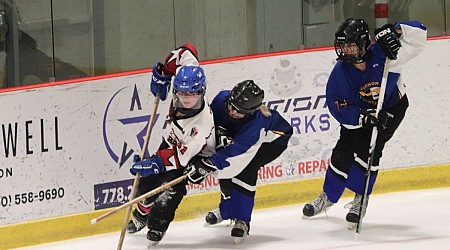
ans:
(189, 84)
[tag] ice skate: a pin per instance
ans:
(152, 244)
(353, 214)
(240, 231)
(154, 237)
(213, 217)
(136, 224)
(319, 205)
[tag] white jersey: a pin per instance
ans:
(185, 55)
(189, 137)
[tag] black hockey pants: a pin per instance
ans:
(162, 211)
(357, 141)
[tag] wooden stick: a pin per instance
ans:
(136, 179)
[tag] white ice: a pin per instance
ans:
(402, 220)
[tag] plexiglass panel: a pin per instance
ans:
(46, 40)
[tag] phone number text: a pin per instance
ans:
(30, 197)
(112, 194)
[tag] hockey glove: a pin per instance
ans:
(223, 137)
(368, 120)
(388, 38)
(198, 169)
(160, 83)
(151, 166)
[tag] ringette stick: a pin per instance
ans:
(373, 140)
(136, 179)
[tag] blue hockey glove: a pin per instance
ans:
(198, 168)
(388, 38)
(368, 120)
(151, 166)
(160, 83)
(136, 158)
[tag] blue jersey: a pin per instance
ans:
(349, 90)
(248, 135)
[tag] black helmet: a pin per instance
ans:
(352, 31)
(246, 97)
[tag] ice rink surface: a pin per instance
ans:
(403, 220)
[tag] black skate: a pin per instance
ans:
(213, 217)
(353, 214)
(154, 236)
(319, 205)
(135, 225)
(240, 231)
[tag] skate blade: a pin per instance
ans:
(219, 224)
(212, 225)
(152, 244)
(238, 240)
(304, 217)
(351, 225)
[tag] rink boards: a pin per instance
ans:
(65, 161)
(194, 206)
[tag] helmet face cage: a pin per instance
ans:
(189, 87)
(246, 97)
(352, 32)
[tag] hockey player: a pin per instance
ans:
(191, 133)
(186, 55)
(259, 136)
(352, 96)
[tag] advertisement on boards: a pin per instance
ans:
(68, 148)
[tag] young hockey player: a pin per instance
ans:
(352, 96)
(258, 135)
(191, 133)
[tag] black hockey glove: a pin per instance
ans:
(368, 120)
(223, 137)
(198, 168)
(388, 38)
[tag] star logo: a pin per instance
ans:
(125, 118)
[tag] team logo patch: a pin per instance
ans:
(369, 92)
(193, 132)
